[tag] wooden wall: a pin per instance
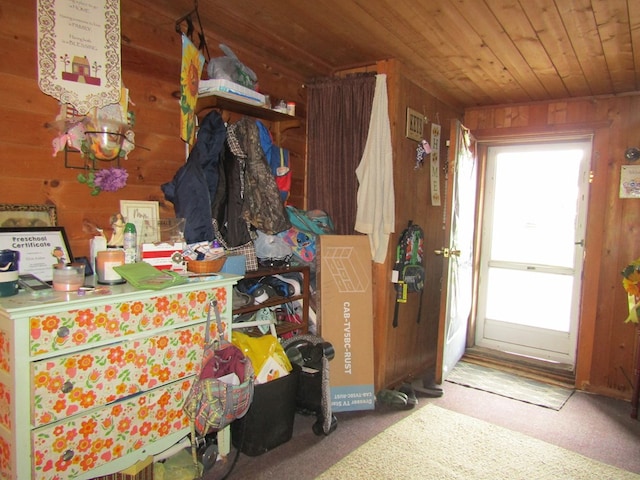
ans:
(605, 343)
(151, 57)
(151, 67)
(410, 349)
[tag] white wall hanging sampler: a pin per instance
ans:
(79, 52)
(435, 164)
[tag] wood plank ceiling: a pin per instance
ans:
(465, 52)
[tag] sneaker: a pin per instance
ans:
(240, 299)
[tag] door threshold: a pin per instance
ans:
(559, 374)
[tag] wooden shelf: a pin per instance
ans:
(215, 101)
(272, 302)
(282, 328)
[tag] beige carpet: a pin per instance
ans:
(434, 443)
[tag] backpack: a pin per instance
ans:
(305, 227)
(408, 271)
(310, 221)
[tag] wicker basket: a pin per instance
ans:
(206, 266)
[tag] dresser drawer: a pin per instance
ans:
(85, 442)
(81, 327)
(70, 384)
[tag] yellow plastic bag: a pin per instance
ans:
(260, 349)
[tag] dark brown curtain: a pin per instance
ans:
(339, 110)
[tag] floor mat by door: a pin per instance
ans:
(509, 385)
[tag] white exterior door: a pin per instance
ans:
(532, 249)
(457, 254)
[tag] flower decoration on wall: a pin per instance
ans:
(631, 284)
(104, 135)
(192, 65)
(104, 180)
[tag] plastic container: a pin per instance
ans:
(9, 272)
(68, 278)
(269, 421)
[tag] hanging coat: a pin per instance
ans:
(227, 204)
(194, 185)
(263, 207)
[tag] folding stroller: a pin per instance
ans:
(313, 354)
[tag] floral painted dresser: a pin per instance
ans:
(91, 384)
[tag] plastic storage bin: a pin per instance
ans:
(269, 421)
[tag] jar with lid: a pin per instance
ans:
(105, 261)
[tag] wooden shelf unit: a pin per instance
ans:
(280, 121)
(284, 327)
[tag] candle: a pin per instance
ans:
(105, 261)
(68, 278)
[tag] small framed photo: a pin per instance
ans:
(144, 215)
(22, 216)
(415, 125)
(40, 249)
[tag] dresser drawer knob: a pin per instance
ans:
(67, 386)
(63, 332)
(68, 455)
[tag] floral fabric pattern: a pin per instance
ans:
(105, 380)
(5, 352)
(5, 411)
(86, 442)
(5, 459)
(67, 385)
(81, 327)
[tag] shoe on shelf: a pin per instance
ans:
(241, 299)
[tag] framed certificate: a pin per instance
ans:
(40, 249)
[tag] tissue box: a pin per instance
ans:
(164, 256)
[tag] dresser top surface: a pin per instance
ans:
(26, 302)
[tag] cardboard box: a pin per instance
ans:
(346, 318)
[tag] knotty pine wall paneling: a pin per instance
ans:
(151, 58)
(409, 350)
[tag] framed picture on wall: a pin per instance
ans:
(21, 216)
(415, 125)
(144, 215)
(40, 249)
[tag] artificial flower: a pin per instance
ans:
(631, 284)
(111, 179)
(108, 179)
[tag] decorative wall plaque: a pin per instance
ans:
(79, 52)
(415, 125)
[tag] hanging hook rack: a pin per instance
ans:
(186, 19)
